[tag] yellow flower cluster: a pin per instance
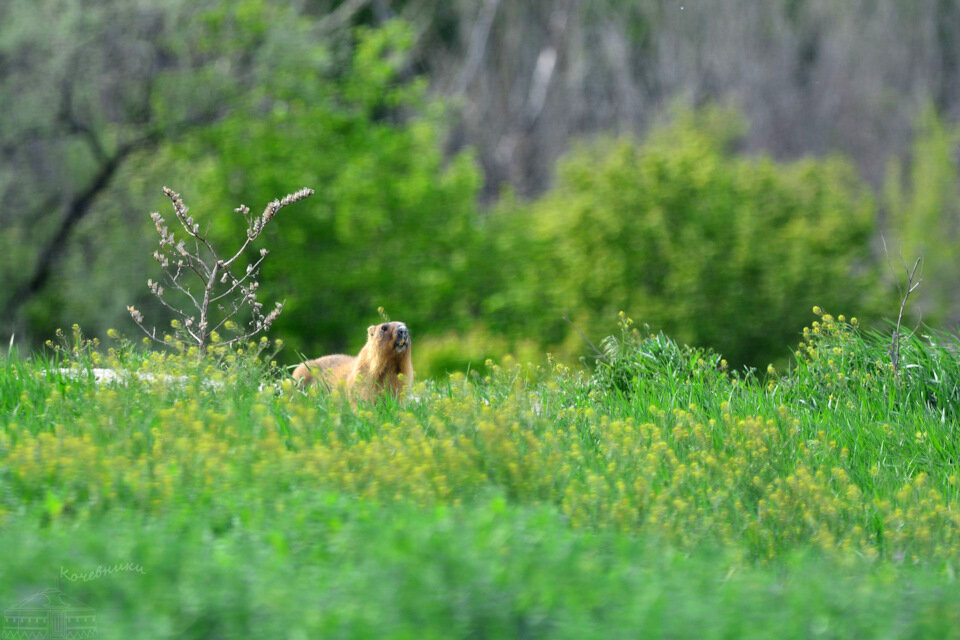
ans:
(829, 355)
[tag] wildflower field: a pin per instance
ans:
(656, 494)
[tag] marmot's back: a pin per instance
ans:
(331, 369)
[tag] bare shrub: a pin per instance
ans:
(222, 295)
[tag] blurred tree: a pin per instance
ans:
(923, 204)
(90, 89)
(392, 223)
(812, 76)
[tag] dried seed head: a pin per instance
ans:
(178, 206)
(269, 212)
(296, 196)
(278, 307)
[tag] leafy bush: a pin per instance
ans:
(716, 249)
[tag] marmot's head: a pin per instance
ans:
(389, 336)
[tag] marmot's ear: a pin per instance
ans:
(370, 329)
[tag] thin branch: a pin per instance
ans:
(599, 353)
(913, 281)
(152, 335)
(235, 339)
(478, 45)
(250, 272)
(73, 124)
(77, 209)
(237, 305)
(171, 307)
(175, 281)
(188, 319)
(341, 15)
(192, 229)
(268, 214)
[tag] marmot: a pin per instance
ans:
(376, 368)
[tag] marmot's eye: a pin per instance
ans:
(383, 328)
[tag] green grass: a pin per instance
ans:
(657, 496)
(343, 568)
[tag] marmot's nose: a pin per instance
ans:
(402, 332)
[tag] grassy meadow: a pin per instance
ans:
(657, 493)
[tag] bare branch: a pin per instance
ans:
(913, 281)
(73, 124)
(237, 305)
(583, 336)
(219, 282)
(250, 273)
(478, 45)
(175, 281)
(138, 320)
(254, 231)
(191, 227)
(341, 15)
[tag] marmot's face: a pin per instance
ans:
(390, 335)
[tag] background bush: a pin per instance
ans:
(923, 203)
(716, 248)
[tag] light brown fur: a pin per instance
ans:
(383, 365)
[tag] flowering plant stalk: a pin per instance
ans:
(222, 294)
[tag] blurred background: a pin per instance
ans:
(492, 172)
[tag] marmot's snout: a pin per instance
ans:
(402, 338)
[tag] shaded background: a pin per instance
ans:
(486, 169)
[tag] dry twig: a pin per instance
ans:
(914, 278)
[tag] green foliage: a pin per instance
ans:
(716, 248)
(439, 355)
(924, 217)
(392, 221)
